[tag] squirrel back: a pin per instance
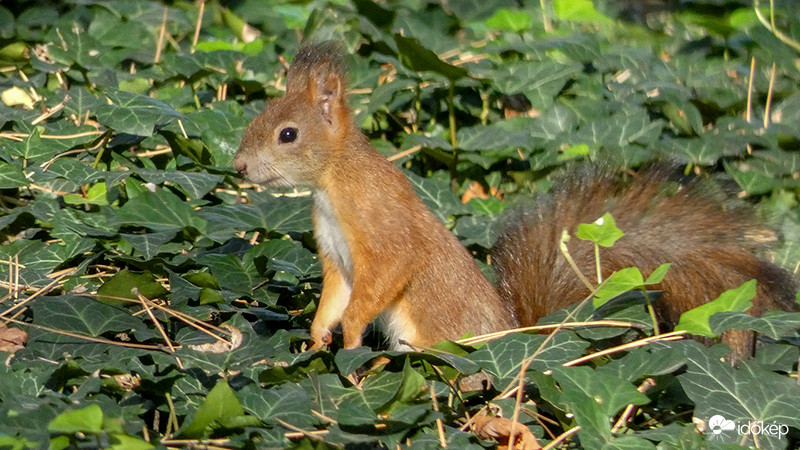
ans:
(712, 247)
(384, 254)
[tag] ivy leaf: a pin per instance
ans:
(95, 195)
(221, 406)
(194, 185)
(658, 274)
(288, 402)
(745, 395)
(234, 274)
(603, 231)
(696, 321)
(579, 11)
(417, 57)
(267, 213)
(438, 197)
(774, 324)
(11, 176)
(618, 283)
(160, 211)
(149, 244)
(135, 114)
(83, 420)
(503, 357)
(83, 315)
(540, 81)
(508, 20)
(611, 393)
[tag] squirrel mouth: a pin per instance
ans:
(272, 178)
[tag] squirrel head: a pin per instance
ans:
(292, 141)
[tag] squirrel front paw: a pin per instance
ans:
(321, 338)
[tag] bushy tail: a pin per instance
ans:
(712, 247)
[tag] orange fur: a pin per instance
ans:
(377, 240)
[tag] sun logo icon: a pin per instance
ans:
(718, 424)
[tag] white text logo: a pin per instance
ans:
(718, 424)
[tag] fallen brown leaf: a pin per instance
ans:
(221, 346)
(500, 429)
(12, 339)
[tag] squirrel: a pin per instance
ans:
(383, 253)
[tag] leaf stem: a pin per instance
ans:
(451, 115)
(597, 263)
(771, 25)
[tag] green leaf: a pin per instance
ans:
(745, 395)
(696, 321)
(83, 315)
(96, 195)
(379, 393)
(658, 274)
(252, 349)
(267, 213)
(752, 182)
(148, 244)
(618, 131)
(122, 284)
(618, 283)
(160, 211)
(502, 358)
(348, 360)
(648, 361)
(194, 185)
(438, 197)
(574, 152)
(539, 81)
(507, 20)
(476, 230)
(496, 136)
(611, 393)
(591, 408)
(84, 420)
(578, 11)
(603, 231)
(414, 384)
(288, 256)
(237, 275)
(774, 324)
(418, 58)
(125, 442)
(288, 402)
(134, 114)
(11, 176)
(220, 406)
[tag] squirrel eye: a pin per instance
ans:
(287, 135)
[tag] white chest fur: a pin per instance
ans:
(329, 235)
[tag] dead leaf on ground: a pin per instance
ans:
(499, 429)
(476, 190)
(12, 339)
(221, 346)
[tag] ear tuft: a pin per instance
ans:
(317, 63)
(319, 72)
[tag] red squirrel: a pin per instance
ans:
(383, 253)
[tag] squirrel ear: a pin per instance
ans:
(318, 74)
(328, 94)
